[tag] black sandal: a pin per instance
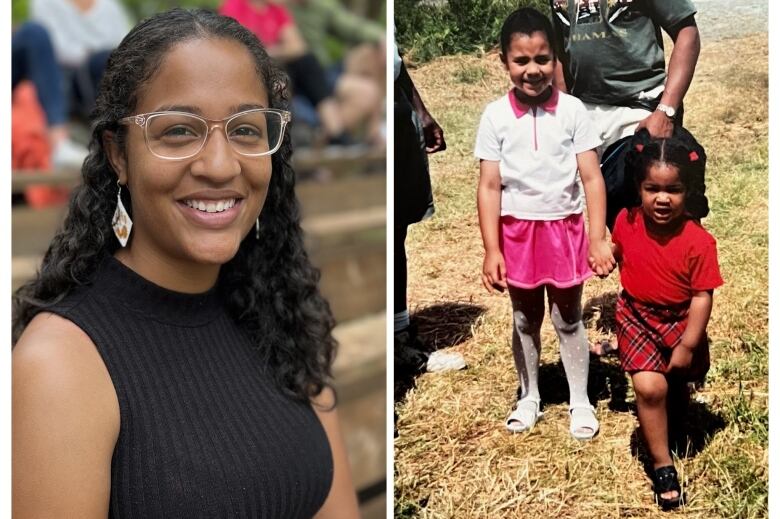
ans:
(665, 480)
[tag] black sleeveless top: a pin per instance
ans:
(203, 433)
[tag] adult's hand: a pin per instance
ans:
(433, 133)
(658, 125)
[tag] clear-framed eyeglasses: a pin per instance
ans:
(182, 135)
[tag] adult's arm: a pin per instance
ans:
(351, 27)
(434, 134)
(65, 423)
(291, 44)
(341, 502)
(559, 80)
(682, 65)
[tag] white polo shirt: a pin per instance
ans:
(537, 148)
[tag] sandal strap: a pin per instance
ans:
(665, 480)
(526, 412)
(582, 406)
(583, 426)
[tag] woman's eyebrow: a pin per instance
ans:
(179, 108)
(197, 111)
(246, 106)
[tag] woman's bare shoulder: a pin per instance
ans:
(54, 354)
(65, 421)
(58, 346)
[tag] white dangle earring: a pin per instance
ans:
(121, 221)
(257, 228)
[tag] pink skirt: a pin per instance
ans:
(542, 252)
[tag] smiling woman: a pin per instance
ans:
(172, 358)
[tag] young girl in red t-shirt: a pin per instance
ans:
(668, 269)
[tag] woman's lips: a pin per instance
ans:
(209, 216)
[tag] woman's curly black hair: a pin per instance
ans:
(680, 150)
(270, 285)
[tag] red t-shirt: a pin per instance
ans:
(665, 270)
(265, 22)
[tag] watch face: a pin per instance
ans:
(668, 110)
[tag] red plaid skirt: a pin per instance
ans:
(647, 334)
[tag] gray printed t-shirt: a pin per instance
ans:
(613, 49)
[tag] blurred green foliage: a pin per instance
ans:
(426, 29)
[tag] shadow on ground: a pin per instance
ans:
(688, 441)
(697, 431)
(606, 381)
(446, 324)
(438, 326)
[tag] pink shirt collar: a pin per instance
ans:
(520, 109)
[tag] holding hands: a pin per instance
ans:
(600, 257)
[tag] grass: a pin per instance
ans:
(453, 458)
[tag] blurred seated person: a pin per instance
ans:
(358, 75)
(83, 34)
(274, 26)
(32, 59)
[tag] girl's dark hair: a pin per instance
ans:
(526, 20)
(680, 150)
(270, 286)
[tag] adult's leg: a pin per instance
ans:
(360, 104)
(85, 81)
(614, 122)
(400, 310)
(527, 316)
(33, 58)
(408, 356)
(308, 79)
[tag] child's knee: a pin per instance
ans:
(526, 324)
(565, 326)
(650, 388)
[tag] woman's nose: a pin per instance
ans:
(217, 160)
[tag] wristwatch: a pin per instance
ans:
(668, 110)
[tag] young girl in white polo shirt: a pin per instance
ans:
(531, 142)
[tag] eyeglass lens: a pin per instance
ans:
(181, 135)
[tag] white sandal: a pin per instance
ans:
(583, 423)
(524, 416)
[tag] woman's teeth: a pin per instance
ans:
(211, 206)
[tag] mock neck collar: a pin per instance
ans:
(520, 108)
(142, 296)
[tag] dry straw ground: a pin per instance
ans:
(453, 457)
